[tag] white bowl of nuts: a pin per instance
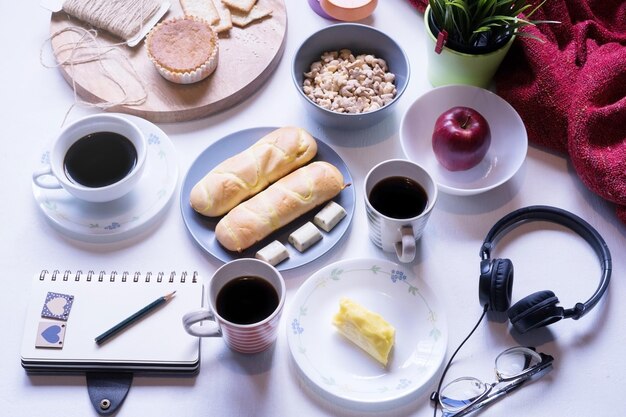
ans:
(350, 75)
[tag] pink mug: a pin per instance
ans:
(245, 301)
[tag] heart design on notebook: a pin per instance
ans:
(51, 334)
(57, 305)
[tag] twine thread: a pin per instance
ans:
(123, 18)
(86, 49)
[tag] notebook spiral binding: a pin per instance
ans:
(124, 277)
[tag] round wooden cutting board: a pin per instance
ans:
(247, 57)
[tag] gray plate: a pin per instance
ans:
(202, 228)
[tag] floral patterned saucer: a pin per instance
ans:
(125, 217)
(341, 370)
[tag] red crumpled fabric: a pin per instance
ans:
(570, 90)
(419, 4)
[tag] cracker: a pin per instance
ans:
(244, 6)
(257, 13)
(225, 23)
(204, 9)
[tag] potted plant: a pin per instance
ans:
(469, 38)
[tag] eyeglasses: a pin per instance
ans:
(513, 368)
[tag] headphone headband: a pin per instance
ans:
(566, 219)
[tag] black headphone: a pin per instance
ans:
(538, 309)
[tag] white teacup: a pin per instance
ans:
(399, 197)
(121, 140)
(243, 312)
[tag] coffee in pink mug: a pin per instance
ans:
(245, 301)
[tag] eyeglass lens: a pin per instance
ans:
(462, 392)
(515, 361)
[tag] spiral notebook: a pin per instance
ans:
(67, 310)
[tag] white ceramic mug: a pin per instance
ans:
(245, 338)
(398, 234)
(79, 129)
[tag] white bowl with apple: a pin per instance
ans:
(469, 139)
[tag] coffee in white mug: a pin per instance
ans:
(399, 197)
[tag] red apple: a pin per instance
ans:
(461, 138)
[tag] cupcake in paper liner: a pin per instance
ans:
(183, 50)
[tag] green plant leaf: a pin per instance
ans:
(471, 21)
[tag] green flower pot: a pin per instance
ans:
(452, 67)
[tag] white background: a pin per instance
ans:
(588, 376)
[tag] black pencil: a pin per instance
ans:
(132, 319)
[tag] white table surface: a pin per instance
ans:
(589, 369)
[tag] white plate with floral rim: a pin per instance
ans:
(342, 370)
(127, 216)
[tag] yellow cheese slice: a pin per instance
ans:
(366, 329)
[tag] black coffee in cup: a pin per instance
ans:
(100, 159)
(246, 300)
(398, 197)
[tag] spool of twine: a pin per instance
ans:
(123, 18)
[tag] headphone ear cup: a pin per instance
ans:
(501, 284)
(536, 310)
(496, 284)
